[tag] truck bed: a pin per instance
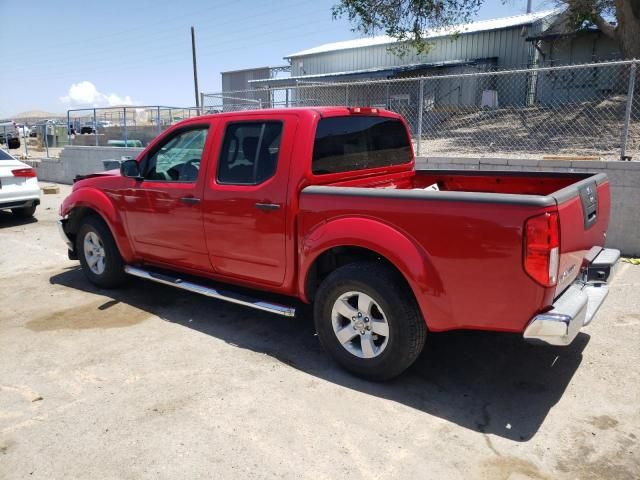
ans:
(471, 232)
(508, 182)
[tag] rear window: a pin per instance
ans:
(356, 143)
(4, 155)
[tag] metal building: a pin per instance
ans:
(519, 41)
(239, 81)
(500, 43)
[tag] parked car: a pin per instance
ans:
(87, 128)
(9, 135)
(19, 190)
(324, 205)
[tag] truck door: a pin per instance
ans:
(245, 202)
(164, 209)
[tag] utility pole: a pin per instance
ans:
(528, 7)
(195, 67)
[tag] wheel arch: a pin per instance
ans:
(93, 202)
(340, 242)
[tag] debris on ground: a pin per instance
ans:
(50, 189)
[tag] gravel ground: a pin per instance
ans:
(148, 382)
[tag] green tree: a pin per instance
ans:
(408, 20)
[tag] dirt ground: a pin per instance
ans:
(149, 382)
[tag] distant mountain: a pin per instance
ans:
(36, 114)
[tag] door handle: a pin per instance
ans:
(190, 200)
(267, 206)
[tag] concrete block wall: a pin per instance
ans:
(624, 225)
(78, 160)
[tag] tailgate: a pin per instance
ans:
(584, 218)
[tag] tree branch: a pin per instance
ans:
(605, 27)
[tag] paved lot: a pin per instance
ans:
(148, 382)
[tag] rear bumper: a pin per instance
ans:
(20, 203)
(578, 304)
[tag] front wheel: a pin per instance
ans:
(368, 321)
(98, 254)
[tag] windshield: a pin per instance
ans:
(359, 142)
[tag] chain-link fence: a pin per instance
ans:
(133, 126)
(34, 138)
(575, 110)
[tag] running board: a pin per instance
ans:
(211, 292)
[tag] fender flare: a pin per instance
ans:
(99, 202)
(399, 249)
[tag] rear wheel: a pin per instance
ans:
(24, 212)
(98, 254)
(368, 320)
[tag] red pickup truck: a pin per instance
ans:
(325, 205)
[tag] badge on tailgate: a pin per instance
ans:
(589, 198)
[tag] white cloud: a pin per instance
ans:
(85, 93)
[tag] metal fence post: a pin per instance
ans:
(158, 120)
(25, 138)
(126, 133)
(6, 140)
(627, 113)
(346, 95)
(46, 141)
(69, 139)
(420, 109)
(95, 126)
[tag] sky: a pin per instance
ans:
(60, 55)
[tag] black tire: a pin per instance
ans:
(13, 143)
(24, 212)
(113, 275)
(407, 329)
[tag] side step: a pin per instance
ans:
(211, 292)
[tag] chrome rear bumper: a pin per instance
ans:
(578, 304)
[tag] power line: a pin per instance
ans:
(133, 64)
(166, 52)
(118, 38)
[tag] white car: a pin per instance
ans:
(19, 190)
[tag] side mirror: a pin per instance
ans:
(131, 169)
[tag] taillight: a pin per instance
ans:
(24, 172)
(363, 110)
(542, 248)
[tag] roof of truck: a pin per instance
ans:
(325, 110)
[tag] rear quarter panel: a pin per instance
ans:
(468, 274)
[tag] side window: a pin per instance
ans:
(178, 159)
(249, 154)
